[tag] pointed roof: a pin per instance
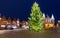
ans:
(52, 17)
(17, 19)
(9, 18)
(43, 15)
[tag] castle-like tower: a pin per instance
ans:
(48, 22)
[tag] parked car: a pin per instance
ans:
(12, 27)
(9, 27)
(25, 27)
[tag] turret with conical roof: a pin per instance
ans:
(52, 17)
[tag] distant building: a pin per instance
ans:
(3, 23)
(52, 19)
(58, 25)
(9, 21)
(18, 22)
(15, 23)
(49, 22)
(25, 25)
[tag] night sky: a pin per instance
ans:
(22, 8)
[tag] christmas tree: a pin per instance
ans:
(36, 19)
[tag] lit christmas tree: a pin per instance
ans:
(36, 19)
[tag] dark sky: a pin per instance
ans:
(21, 8)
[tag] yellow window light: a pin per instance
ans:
(51, 25)
(46, 26)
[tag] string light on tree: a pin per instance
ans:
(36, 19)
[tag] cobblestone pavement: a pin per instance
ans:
(27, 34)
